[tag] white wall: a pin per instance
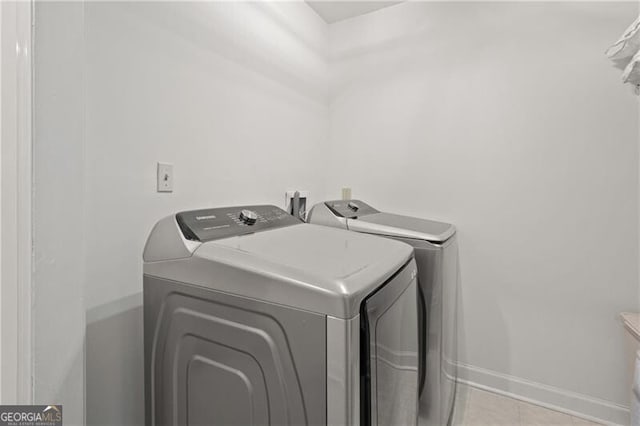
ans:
(235, 96)
(58, 203)
(507, 120)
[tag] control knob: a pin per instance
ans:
(248, 217)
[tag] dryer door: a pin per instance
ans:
(389, 353)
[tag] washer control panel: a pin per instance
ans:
(213, 224)
(350, 209)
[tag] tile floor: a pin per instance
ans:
(475, 407)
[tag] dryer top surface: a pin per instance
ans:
(403, 226)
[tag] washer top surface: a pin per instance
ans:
(284, 261)
(329, 259)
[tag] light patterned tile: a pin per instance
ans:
(460, 405)
(534, 415)
(485, 408)
(475, 407)
(577, 421)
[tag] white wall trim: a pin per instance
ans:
(16, 203)
(573, 403)
(25, 201)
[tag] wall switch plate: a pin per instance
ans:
(165, 177)
(346, 193)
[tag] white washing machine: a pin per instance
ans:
(254, 317)
(436, 253)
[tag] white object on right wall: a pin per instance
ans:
(631, 74)
(624, 54)
(627, 45)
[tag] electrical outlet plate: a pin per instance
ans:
(165, 177)
(346, 193)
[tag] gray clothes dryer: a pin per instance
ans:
(436, 253)
(254, 317)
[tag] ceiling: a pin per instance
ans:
(334, 11)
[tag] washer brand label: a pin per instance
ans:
(211, 216)
(30, 415)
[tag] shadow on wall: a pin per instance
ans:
(213, 28)
(115, 363)
(73, 409)
(461, 349)
(497, 344)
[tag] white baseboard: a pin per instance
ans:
(562, 400)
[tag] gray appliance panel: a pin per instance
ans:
(438, 280)
(436, 252)
(392, 328)
(403, 226)
(214, 359)
(343, 371)
(223, 222)
(369, 220)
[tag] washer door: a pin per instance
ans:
(389, 364)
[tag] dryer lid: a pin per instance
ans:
(394, 225)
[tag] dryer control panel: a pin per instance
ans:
(213, 224)
(350, 209)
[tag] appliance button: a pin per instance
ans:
(353, 206)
